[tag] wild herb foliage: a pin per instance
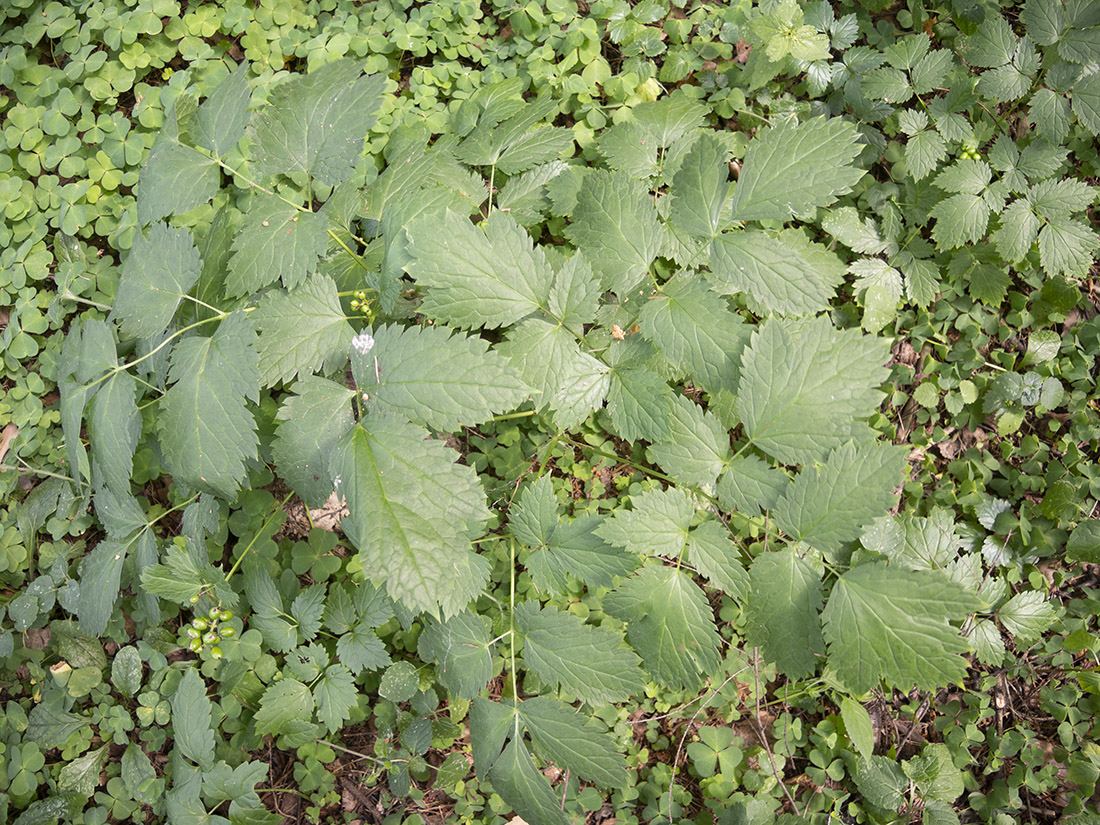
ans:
(704, 309)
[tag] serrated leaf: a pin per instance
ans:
(139, 776)
(335, 695)
(1050, 113)
(49, 724)
(459, 646)
(574, 742)
(1027, 616)
(572, 549)
(519, 783)
(696, 332)
(361, 649)
(789, 169)
(575, 294)
(784, 274)
(517, 144)
(100, 575)
(161, 268)
(640, 403)
(315, 124)
(781, 612)
(1045, 20)
(307, 609)
(223, 117)
(671, 117)
(879, 287)
(960, 219)
(615, 225)
(300, 330)
(206, 431)
(882, 782)
(713, 554)
(276, 241)
(435, 377)
(857, 721)
(803, 387)
(657, 522)
(191, 720)
(858, 234)
(412, 511)
(1017, 231)
(589, 662)
(885, 623)
(992, 45)
(174, 179)
(114, 426)
(547, 357)
(697, 448)
(918, 542)
(478, 278)
(749, 484)
(1067, 247)
(829, 506)
(284, 703)
(630, 149)
(1084, 543)
(312, 421)
(491, 723)
(524, 196)
(81, 775)
(700, 189)
(670, 624)
(584, 381)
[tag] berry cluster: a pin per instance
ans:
(360, 300)
(970, 154)
(204, 631)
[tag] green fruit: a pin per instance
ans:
(216, 652)
(211, 638)
(195, 646)
(194, 599)
(224, 616)
(199, 623)
(227, 632)
(214, 612)
(192, 633)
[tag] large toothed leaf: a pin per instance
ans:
(315, 124)
(191, 719)
(478, 277)
(697, 447)
(276, 241)
(223, 117)
(206, 430)
(573, 741)
(656, 523)
(413, 511)
(518, 143)
(460, 648)
(615, 224)
(700, 188)
(174, 179)
(692, 327)
(790, 169)
(781, 612)
(312, 421)
(300, 330)
(887, 623)
(640, 403)
(436, 377)
(573, 550)
(785, 274)
(519, 783)
(114, 427)
(161, 268)
(670, 624)
(590, 662)
(805, 386)
(829, 506)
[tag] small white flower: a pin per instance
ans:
(336, 483)
(363, 343)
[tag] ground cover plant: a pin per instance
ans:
(649, 413)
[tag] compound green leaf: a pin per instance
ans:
(700, 188)
(174, 179)
(584, 382)
(223, 117)
(335, 695)
(749, 484)
(656, 523)
(1045, 20)
(459, 646)
(960, 219)
(692, 327)
(413, 511)
(589, 662)
(519, 783)
(1027, 616)
(1086, 102)
(81, 775)
(573, 549)
(114, 426)
(1050, 113)
(191, 720)
(100, 575)
(491, 724)
(492, 277)
(790, 169)
(534, 516)
(573, 741)
(670, 624)
(1084, 543)
(1017, 232)
(361, 649)
(285, 702)
(315, 124)
(805, 386)
(1066, 247)
(575, 295)
(630, 149)
(785, 274)
(161, 268)
(640, 403)
(886, 623)
(781, 612)
(436, 377)
(670, 118)
(517, 143)
(830, 505)
(698, 445)
(713, 554)
(206, 430)
(300, 330)
(276, 241)
(49, 723)
(615, 225)
(312, 421)
(547, 356)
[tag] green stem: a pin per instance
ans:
(512, 630)
(263, 527)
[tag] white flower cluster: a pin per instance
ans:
(362, 343)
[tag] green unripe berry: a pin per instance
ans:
(227, 632)
(195, 646)
(194, 599)
(213, 612)
(361, 295)
(199, 623)
(225, 616)
(211, 638)
(355, 305)
(192, 633)
(216, 652)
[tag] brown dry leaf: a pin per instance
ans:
(329, 514)
(517, 820)
(6, 438)
(743, 51)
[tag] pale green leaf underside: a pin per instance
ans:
(436, 377)
(300, 330)
(805, 386)
(206, 430)
(790, 169)
(589, 662)
(884, 623)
